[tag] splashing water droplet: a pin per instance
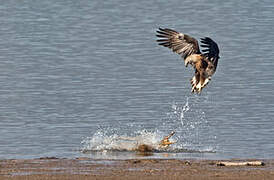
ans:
(185, 109)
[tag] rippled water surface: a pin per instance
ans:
(88, 76)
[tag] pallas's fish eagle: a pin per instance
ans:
(204, 64)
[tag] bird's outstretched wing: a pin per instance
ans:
(180, 43)
(212, 49)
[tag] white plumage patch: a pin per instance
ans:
(198, 86)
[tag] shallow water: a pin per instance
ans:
(76, 71)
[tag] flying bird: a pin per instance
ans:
(204, 64)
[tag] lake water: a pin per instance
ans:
(86, 78)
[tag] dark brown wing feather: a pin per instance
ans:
(211, 51)
(178, 42)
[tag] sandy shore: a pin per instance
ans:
(85, 168)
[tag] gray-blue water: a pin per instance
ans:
(78, 74)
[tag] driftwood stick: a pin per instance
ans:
(247, 163)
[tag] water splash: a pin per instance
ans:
(181, 111)
(101, 141)
(191, 124)
(186, 119)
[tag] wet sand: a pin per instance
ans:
(136, 169)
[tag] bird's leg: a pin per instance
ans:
(193, 84)
(199, 87)
(206, 81)
(194, 81)
(201, 83)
